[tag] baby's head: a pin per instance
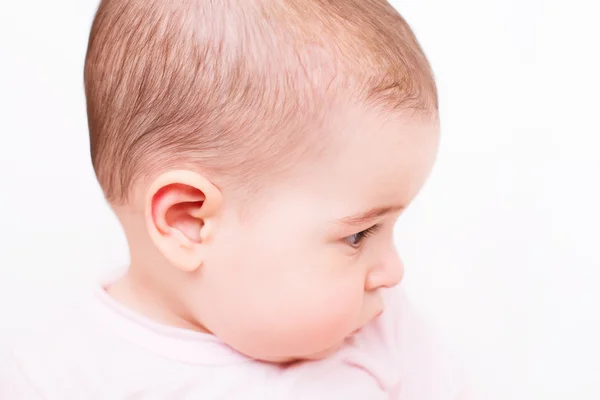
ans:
(258, 154)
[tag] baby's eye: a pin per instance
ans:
(357, 239)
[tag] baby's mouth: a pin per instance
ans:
(371, 320)
(356, 331)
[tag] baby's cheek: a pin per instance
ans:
(325, 321)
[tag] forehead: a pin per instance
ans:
(370, 161)
(375, 160)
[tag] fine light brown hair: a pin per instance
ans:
(238, 89)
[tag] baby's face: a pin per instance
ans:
(306, 270)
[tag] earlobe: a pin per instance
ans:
(182, 208)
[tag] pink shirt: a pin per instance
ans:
(101, 350)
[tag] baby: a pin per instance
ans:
(257, 154)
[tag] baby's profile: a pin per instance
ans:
(257, 154)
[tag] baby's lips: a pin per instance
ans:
(372, 319)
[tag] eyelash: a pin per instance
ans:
(361, 236)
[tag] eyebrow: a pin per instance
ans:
(362, 218)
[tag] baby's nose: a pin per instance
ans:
(386, 275)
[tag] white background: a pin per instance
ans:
(501, 247)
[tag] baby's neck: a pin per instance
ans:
(150, 300)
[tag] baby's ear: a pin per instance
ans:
(181, 215)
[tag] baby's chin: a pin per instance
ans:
(323, 354)
(309, 357)
(291, 358)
